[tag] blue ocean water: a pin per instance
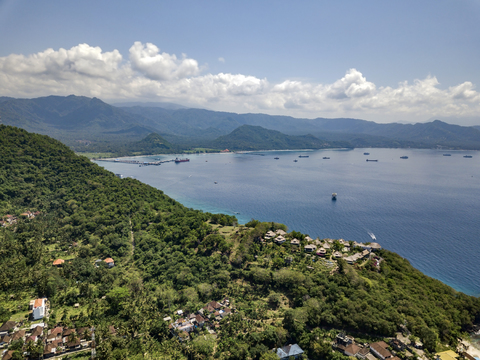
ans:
(425, 208)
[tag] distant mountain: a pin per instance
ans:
(89, 124)
(64, 117)
(164, 105)
(248, 137)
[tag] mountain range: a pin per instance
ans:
(87, 124)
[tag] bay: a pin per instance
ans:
(425, 208)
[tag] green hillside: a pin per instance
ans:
(169, 258)
(247, 137)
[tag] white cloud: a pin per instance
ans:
(221, 59)
(149, 74)
(147, 60)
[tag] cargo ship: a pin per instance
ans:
(177, 160)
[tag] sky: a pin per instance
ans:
(385, 61)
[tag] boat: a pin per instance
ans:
(325, 158)
(295, 160)
(334, 196)
(447, 154)
(372, 160)
(215, 182)
(467, 156)
(366, 153)
(177, 160)
(301, 156)
(276, 158)
(404, 157)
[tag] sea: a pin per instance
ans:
(425, 208)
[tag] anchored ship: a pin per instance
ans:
(177, 160)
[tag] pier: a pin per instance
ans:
(136, 162)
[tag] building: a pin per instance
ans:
(379, 349)
(310, 248)
(7, 327)
(295, 242)
(286, 352)
(109, 262)
(39, 309)
(58, 262)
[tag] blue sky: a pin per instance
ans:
(377, 60)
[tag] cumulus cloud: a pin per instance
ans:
(148, 73)
(146, 58)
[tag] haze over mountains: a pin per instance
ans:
(86, 123)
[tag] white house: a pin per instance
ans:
(39, 308)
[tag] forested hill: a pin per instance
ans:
(247, 137)
(168, 258)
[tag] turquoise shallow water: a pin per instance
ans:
(426, 208)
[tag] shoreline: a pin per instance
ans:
(219, 152)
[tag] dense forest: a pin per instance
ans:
(169, 257)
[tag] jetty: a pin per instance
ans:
(137, 162)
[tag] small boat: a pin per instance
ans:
(403, 157)
(302, 156)
(366, 153)
(276, 158)
(215, 182)
(295, 160)
(326, 158)
(372, 160)
(467, 156)
(334, 196)
(447, 154)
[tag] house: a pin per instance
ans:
(308, 238)
(58, 262)
(215, 305)
(375, 246)
(321, 252)
(50, 349)
(344, 339)
(397, 345)
(110, 262)
(200, 320)
(8, 355)
(310, 248)
(352, 349)
(288, 260)
(379, 349)
(286, 352)
(5, 340)
(365, 253)
(39, 308)
(281, 232)
(269, 235)
(337, 254)
(295, 242)
(363, 352)
(18, 335)
(55, 334)
(280, 239)
(326, 246)
(7, 327)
